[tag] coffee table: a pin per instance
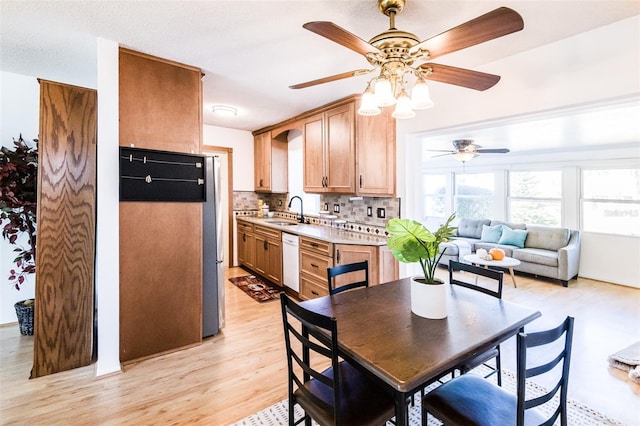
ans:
(507, 262)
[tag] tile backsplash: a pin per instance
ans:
(358, 214)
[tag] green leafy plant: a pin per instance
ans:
(18, 201)
(410, 242)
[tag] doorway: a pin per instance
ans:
(226, 171)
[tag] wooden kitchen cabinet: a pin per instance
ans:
(270, 163)
(376, 154)
(329, 150)
(268, 253)
(315, 257)
(246, 245)
(349, 153)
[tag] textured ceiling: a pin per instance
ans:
(251, 51)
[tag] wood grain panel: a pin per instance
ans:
(160, 242)
(160, 104)
(66, 229)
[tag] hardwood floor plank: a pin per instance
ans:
(242, 370)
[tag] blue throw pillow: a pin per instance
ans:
(513, 237)
(491, 234)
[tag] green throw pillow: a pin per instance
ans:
(491, 234)
(513, 237)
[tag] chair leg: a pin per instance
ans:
(499, 368)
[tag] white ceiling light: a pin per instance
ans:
(225, 110)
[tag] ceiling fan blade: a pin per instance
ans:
(330, 78)
(460, 76)
(497, 23)
(493, 151)
(341, 36)
(442, 155)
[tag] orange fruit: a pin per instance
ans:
(497, 253)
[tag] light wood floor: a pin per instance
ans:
(242, 370)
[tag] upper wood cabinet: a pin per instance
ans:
(270, 163)
(348, 153)
(329, 151)
(376, 153)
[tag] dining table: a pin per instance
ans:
(403, 352)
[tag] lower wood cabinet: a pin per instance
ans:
(246, 245)
(316, 256)
(268, 246)
(260, 249)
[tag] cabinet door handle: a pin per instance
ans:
(314, 265)
(315, 293)
(360, 181)
(266, 246)
(244, 238)
(338, 256)
(261, 180)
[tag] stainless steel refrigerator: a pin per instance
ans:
(212, 252)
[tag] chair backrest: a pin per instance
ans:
(335, 271)
(557, 355)
(311, 332)
(474, 272)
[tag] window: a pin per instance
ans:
(535, 197)
(435, 193)
(611, 201)
(474, 195)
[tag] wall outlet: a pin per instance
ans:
(369, 211)
(326, 207)
(336, 208)
(381, 212)
(279, 203)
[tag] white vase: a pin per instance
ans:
(429, 300)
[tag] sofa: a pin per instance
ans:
(551, 252)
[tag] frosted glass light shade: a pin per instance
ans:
(403, 107)
(420, 98)
(463, 156)
(384, 93)
(368, 105)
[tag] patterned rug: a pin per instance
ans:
(257, 288)
(578, 414)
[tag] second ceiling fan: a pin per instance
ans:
(395, 53)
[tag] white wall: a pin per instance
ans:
(562, 74)
(19, 113)
(107, 272)
(242, 143)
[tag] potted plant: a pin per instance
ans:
(410, 242)
(18, 201)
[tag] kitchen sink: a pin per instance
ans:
(281, 223)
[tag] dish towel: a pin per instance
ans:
(628, 359)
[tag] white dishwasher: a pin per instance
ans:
(290, 261)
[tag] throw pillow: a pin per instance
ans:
(491, 234)
(513, 237)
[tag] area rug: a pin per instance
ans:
(628, 359)
(578, 414)
(257, 288)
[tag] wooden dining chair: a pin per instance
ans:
(351, 268)
(337, 395)
(491, 281)
(471, 400)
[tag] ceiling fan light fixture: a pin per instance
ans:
(384, 92)
(225, 110)
(403, 107)
(463, 156)
(420, 98)
(368, 104)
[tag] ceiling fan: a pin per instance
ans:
(396, 53)
(465, 150)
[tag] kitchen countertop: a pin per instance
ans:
(319, 232)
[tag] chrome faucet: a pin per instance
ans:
(301, 218)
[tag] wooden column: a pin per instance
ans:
(160, 242)
(63, 329)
